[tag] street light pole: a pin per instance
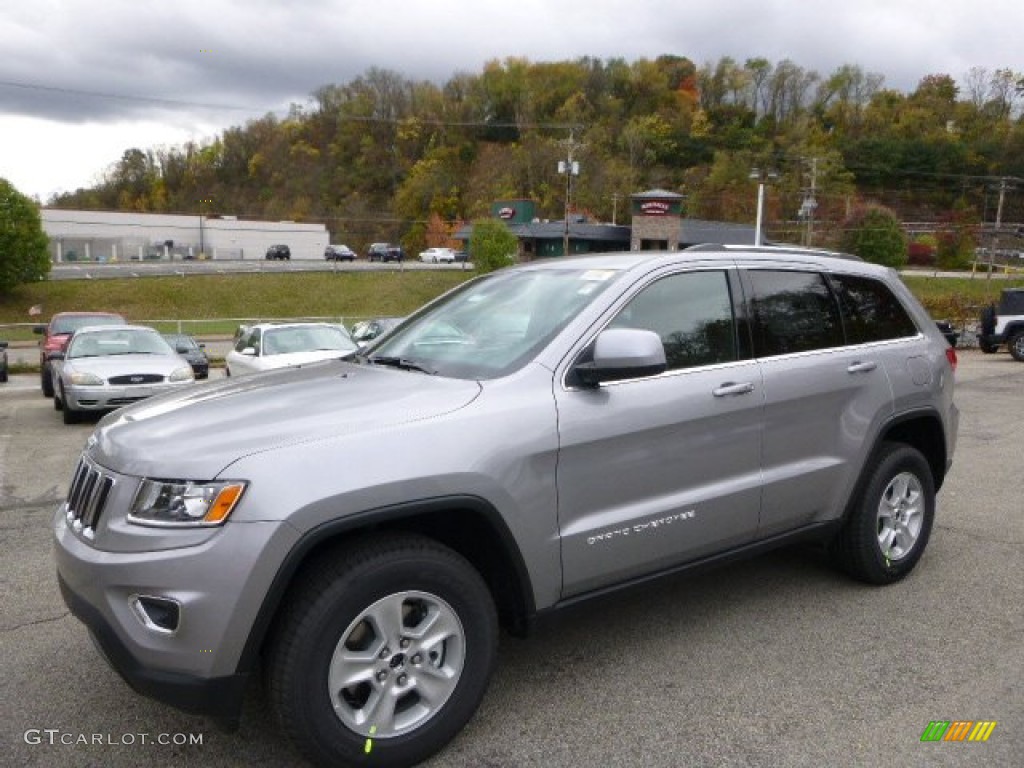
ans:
(762, 177)
(760, 213)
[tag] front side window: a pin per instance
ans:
(870, 310)
(792, 312)
(692, 314)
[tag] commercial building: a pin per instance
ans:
(119, 236)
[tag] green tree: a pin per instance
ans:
(491, 245)
(874, 233)
(23, 244)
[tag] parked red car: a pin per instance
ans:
(56, 334)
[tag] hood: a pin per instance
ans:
(107, 366)
(198, 431)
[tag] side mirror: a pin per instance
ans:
(623, 353)
(40, 329)
(56, 355)
(3, 345)
(249, 351)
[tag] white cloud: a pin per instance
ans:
(261, 55)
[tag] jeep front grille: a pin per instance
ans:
(86, 497)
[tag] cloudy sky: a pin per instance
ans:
(81, 82)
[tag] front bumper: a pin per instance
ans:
(218, 582)
(109, 397)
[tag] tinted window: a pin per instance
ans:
(793, 312)
(870, 311)
(691, 312)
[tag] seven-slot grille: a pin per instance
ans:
(87, 495)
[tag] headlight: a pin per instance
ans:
(182, 374)
(82, 378)
(184, 503)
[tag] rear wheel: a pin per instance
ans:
(988, 347)
(1016, 346)
(888, 527)
(383, 653)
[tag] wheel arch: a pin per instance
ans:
(466, 524)
(921, 430)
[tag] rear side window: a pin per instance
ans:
(870, 310)
(691, 312)
(792, 312)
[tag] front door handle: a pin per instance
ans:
(859, 367)
(732, 388)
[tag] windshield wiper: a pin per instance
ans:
(400, 362)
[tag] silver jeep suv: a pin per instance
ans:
(534, 437)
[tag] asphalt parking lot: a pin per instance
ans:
(776, 662)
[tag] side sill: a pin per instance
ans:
(816, 532)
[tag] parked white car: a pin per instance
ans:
(267, 346)
(438, 255)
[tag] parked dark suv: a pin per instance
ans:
(55, 338)
(536, 436)
(279, 252)
(385, 252)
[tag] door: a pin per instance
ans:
(657, 471)
(823, 398)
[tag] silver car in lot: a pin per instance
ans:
(537, 436)
(107, 367)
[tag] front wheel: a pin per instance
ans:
(383, 653)
(46, 380)
(1015, 344)
(888, 527)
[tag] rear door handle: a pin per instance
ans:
(861, 367)
(731, 388)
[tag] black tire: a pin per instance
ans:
(900, 481)
(58, 403)
(987, 347)
(46, 380)
(1015, 345)
(70, 416)
(332, 606)
(3, 376)
(988, 320)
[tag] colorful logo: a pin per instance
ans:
(958, 730)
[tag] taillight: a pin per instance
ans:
(951, 357)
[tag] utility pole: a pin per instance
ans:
(810, 203)
(1003, 186)
(615, 206)
(570, 168)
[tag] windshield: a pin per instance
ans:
(494, 325)
(72, 323)
(306, 338)
(117, 342)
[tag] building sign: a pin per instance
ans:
(655, 208)
(508, 212)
